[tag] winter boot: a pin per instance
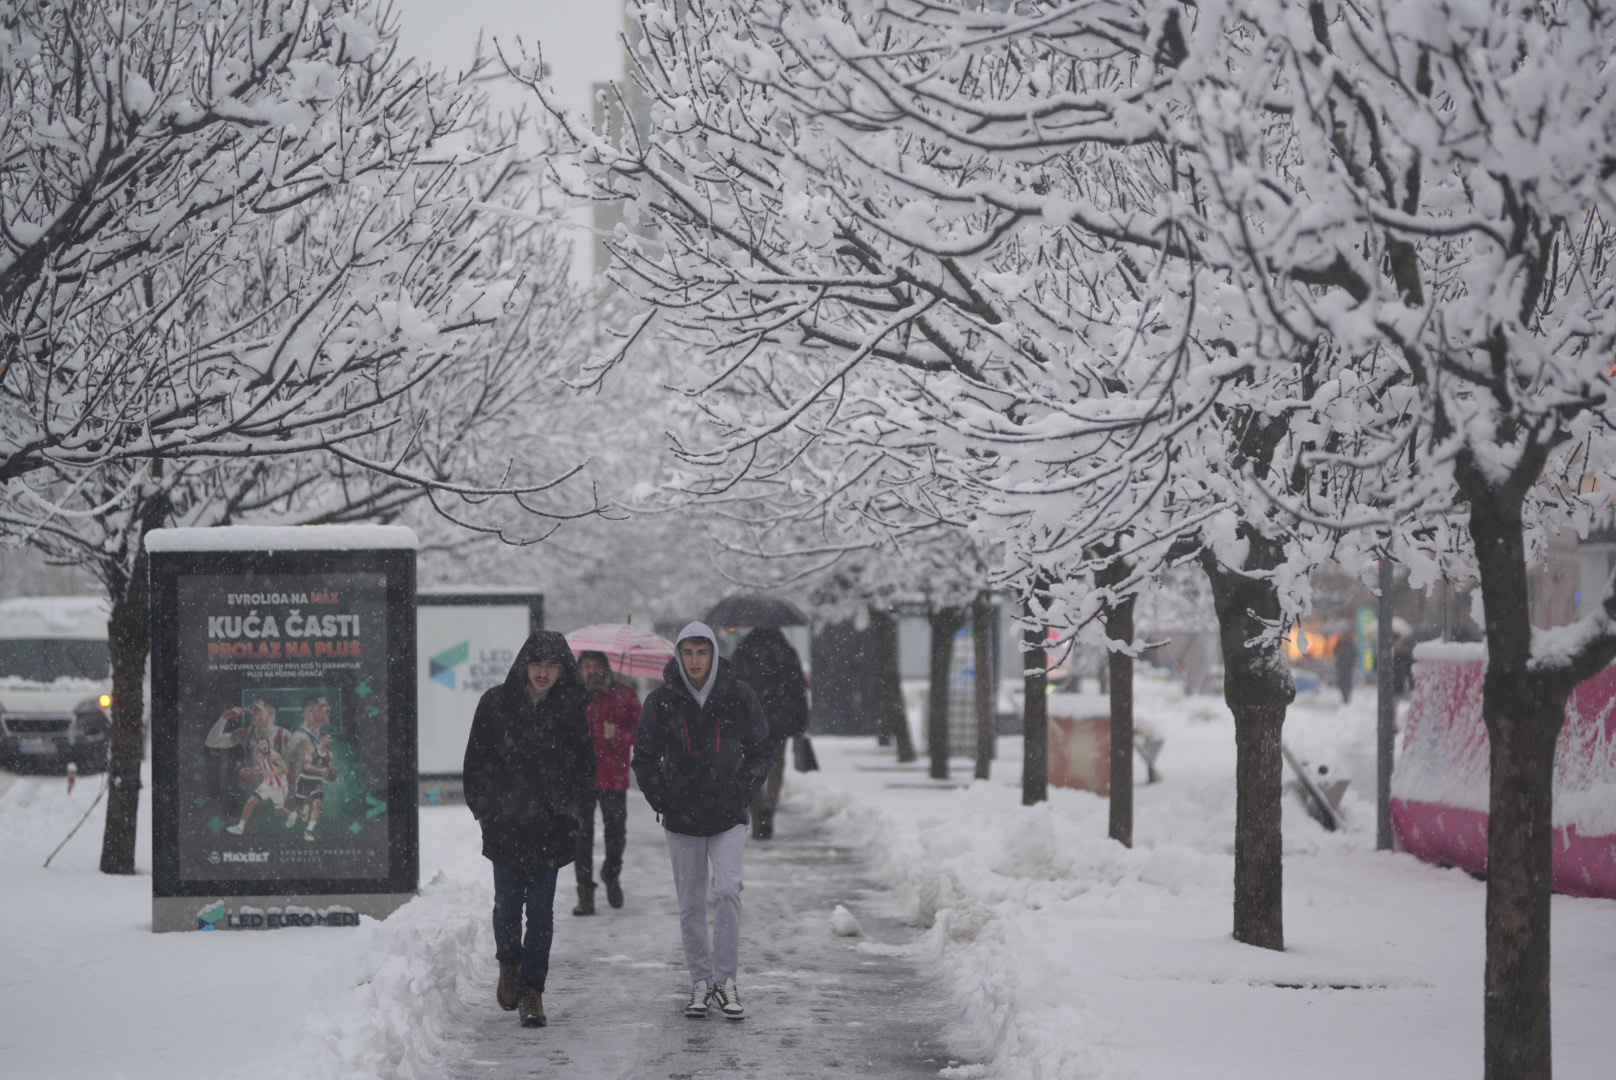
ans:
(507, 992)
(614, 893)
(531, 1008)
(586, 900)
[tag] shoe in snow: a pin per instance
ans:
(727, 1000)
(507, 992)
(614, 894)
(697, 1009)
(586, 900)
(531, 1009)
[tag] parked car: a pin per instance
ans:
(55, 683)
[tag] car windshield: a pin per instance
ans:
(44, 660)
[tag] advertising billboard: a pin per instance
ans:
(283, 725)
(466, 643)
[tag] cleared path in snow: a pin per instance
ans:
(817, 1005)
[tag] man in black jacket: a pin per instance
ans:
(529, 767)
(700, 758)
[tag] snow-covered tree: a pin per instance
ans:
(1399, 222)
(1441, 194)
(143, 141)
(959, 225)
(494, 410)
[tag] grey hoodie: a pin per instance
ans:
(699, 630)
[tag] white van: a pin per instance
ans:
(55, 682)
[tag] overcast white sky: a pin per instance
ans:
(579, 38)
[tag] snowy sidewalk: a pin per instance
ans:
(818, 1004)
(1048, 952)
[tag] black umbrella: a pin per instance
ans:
(755, 609)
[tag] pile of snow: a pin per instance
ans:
(844, 923)
(1072, 956)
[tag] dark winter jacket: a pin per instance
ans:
(767, 663)
(700, 766)
(530, 765)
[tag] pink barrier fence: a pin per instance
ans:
(1439, 789)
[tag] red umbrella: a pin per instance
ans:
(630, 650)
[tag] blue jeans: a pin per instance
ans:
(515, 891)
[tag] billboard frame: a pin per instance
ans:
(435, 788)
(175, 898)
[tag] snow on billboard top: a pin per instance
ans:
(283, 538)
(1450, 650)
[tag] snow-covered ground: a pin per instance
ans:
(1069, 956)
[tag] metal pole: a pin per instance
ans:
(1386, 727)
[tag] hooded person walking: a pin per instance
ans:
(701, 757)
(529, 768)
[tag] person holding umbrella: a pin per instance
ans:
(614, 716)
(767, 663)
(701, 756)
(529, 768)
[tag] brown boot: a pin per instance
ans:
(507, 991)
(531, 1008)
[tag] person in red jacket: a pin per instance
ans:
(614, 717)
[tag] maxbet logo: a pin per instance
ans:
(238, 857)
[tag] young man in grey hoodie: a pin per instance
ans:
(701, 757)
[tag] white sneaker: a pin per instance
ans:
(697, 1009)
(291, 820)
(728, 1000)
(237, 829)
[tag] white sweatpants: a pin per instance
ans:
(696, 861)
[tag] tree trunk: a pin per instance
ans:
(1520, 833)
(1118, 684)
(1524, 712)
(129, 641)
(1119, 628)
(1258, 688)
(1259, 868)
(1385, 709)
(982, 655)
(1034, 713)
(886, 682)
(945, 623)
